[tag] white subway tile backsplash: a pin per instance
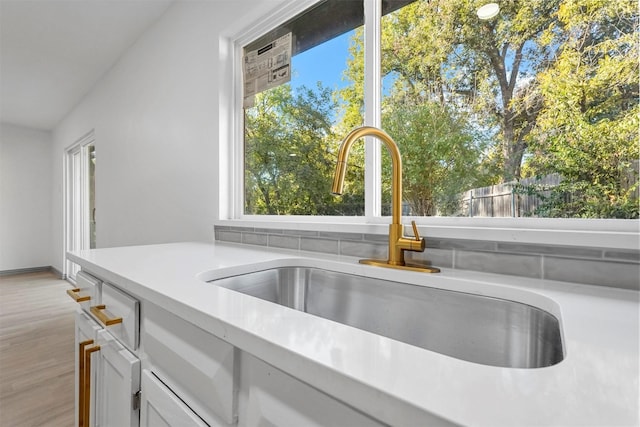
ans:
(285, 242)
(501, 263)
(574, 252)
(469, 245)
(623, 255)
(363, 249)
(260, 239)
(341, 236)
(328, 246)
(376, 238)
(306, 233)
(595, 266)
(593, 272)
(230, 236)
(268, 231)
(441, 258)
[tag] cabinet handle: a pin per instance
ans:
(87, 384)
(97, 311)
(75, 294)
(82, 345)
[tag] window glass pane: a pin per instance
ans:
(533, 112)
(292, 132)
(91, 167)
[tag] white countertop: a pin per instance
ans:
(596, 384)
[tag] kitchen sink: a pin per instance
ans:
(475, 328)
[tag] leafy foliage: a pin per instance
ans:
(442, 52)
(587, 130)
(288, 159)
(547, 87)
(440, 158)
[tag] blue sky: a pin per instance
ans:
(325, 62)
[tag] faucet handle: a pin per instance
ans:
(416, 235)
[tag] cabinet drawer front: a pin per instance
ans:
(88, 286)
(119, 305)
(160, 407)
(195, 364)
(86, 327)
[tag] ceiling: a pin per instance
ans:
(52, 52)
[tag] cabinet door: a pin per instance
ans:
(196, 365)
(117, 385)
(86, 337)
(270, 397)
(160, 407)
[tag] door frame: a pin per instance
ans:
(76, 200)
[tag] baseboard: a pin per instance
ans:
(58, 273)
(31, 270)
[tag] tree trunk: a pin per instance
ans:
(512, 149)
(512, 146)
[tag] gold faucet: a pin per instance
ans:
(398, 243)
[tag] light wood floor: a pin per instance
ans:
(36, 351)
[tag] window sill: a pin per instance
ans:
(596, 233)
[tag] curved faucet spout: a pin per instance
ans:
(398, 243)
(396, 162)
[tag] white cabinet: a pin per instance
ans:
(86, 337)
(270, 397)
(160, 407)
(196, 365)
(107, 373)
(120, 312)
(157, 369)
(87, 290)
(117, 385)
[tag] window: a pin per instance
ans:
(291, 129)
(531, 113)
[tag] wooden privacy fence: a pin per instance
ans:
(504, 200)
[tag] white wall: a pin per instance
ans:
(155, 119)
(25, 198)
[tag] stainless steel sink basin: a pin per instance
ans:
(475, 328)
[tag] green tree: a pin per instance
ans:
(441, 51)
(350, 109)
(587, 130)
(435, 139)
(440, 158)
(288, 160)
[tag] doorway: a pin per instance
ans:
(81, 199)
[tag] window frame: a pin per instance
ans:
(602, 233)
